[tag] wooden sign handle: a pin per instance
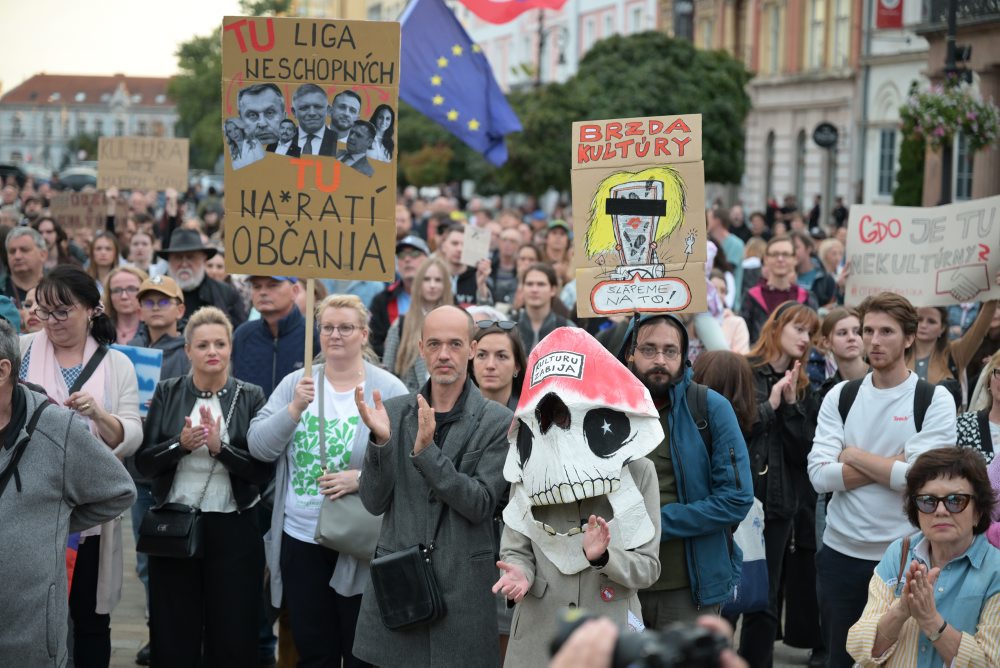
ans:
(310, 321)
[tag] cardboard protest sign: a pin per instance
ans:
(639, 215)
(933, 256)
(78, 210)
(476, 245)
(142, 163)
(148, 363)
(310, 111)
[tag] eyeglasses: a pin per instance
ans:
(345, 330)
(130, 290)
(781, 256)
(953, 503)
(505, 325)
(996, 372)
(651, 352)
(162, 302)
(59, 315)
(410, 254)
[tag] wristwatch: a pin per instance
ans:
(934, 637)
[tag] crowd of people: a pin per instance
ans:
(867, 436)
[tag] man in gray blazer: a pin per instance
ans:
(435, 461)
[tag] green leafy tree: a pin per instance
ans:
(85, 141)
(909, 189)
(197, 90)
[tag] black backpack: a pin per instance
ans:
(697, 398)
(922, 398)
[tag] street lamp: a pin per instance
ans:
(561, 35)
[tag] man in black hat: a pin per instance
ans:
(186, 257)
(394, 301)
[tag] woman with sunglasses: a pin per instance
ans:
(321, 588)
(76, 330)
(121, 300)
(431, 288)
(935, 596)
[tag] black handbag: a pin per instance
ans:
(175, 530)
(406, 589)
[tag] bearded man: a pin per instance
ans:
(186, 259)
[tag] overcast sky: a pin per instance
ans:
(132, 37)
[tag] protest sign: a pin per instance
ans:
(142, 163)
(147, 362)
(639, 207)
(304, 197)
(476, 245)
(77, 210)
(933, 256)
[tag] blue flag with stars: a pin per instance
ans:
(446, 77)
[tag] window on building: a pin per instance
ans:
(98, 127)
(707, 33)
(609, 24)
(817, 33)
(142, 128)
(800, 166)
(683, 15)
(47, 127)
(774, 39)
(119, 128)
(158, 129)
(635, 20)
(769, 165)
(887, 161)
(841, 32)
(589, 33)
(963, 169)
(15, 126)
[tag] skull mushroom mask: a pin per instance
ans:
(582, 417)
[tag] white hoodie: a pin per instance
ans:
(862, 522)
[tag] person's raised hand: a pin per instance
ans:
(513, 584)
(192, 436)
(596, 538)
(304, 394)
(788, 391)
(921, 598)
(426, 424)
(375, 417)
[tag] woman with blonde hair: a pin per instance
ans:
(431, 288)
(321, 588)
(121, 301)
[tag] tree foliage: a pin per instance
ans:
(197, 90)
(909, 189)
(648, 74)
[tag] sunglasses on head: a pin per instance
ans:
(505, 325)
(953, 503)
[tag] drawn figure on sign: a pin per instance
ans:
(630, 213)
(359, 141)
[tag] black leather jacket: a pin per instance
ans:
(161, 451)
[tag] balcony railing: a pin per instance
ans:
(935, 12)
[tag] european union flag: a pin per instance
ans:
(446, 77)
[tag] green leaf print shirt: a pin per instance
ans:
(302, 498)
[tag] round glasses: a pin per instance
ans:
(345, 330)
(953, 503)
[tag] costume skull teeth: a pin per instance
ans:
(582, 417)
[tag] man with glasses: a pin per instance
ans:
(776, 287)
(704, 490)
(394, 301)
(863, 457)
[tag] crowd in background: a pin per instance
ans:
(234, 394)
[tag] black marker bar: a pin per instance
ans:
(635, 207)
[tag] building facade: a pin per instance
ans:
(40, 117)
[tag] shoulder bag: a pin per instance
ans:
(175, 529)
(344, 524)
(406, 588)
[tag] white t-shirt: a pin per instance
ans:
(195, 468)
(862, 522)
(302, 497)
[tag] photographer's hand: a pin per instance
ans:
(590, 646)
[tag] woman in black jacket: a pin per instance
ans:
(204, 611)
(779, 445)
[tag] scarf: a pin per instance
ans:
(43, 369)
